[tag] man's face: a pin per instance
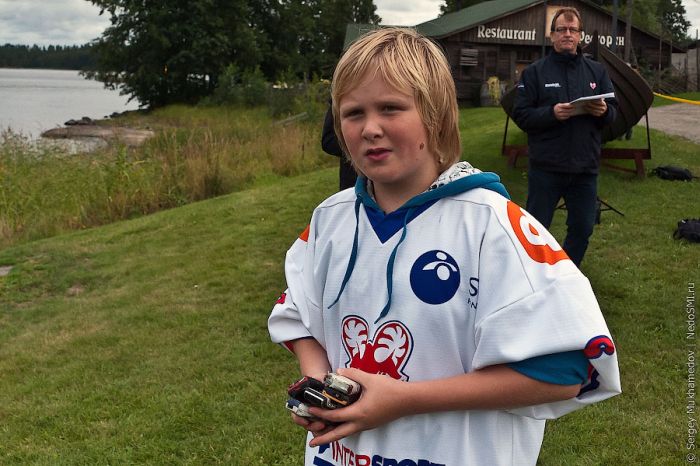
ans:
(566, 35)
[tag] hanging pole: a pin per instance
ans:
(697, 62)
(544, 29)
(628, 31)
(613, 30)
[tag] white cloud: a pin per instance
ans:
(692, 9)
(68, 22)
(407, 13)
(57, 22)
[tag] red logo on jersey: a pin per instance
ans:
(596, 346)
(387, 353)
(282, 298)
(539, 244)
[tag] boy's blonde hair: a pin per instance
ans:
(414, 65)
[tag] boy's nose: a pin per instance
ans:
(372, 129)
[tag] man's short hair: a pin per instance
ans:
(412, 64)
(569, 15)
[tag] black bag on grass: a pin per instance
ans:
(689, 229)
(671, 172)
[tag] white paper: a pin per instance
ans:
(609, 95)
(579, 103)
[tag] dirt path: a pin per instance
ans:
(678, 119)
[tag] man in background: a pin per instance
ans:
(564, 141)
(329, 143)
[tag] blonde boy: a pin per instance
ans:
(461, 317)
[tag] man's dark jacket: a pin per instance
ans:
(573, 145)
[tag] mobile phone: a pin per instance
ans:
(334, 392)
(300, 409)
(338, 383)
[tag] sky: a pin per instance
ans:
(76, 22)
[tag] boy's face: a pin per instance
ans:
(386, 138)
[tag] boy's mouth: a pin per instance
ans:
(376, 152)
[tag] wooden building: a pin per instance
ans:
(501, 37)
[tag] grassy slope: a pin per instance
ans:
(145, 341)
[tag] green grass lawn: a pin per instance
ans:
(145, 341)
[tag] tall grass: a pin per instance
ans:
(196, 153)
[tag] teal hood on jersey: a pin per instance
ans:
(467, 178)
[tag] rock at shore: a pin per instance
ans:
(128, 136)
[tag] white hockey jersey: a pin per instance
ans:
(459, 279)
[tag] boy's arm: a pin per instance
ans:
(385, 399)
(313, 360)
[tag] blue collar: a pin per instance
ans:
(389, 224)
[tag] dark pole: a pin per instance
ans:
(658, 68)
(628, 31)
(614, 28)
(544, 29)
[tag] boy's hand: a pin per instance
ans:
(316, 427)
(382, 401)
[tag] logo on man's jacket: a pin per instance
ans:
(435, 277)
(593, 85)
(537, 241)
(387, 353)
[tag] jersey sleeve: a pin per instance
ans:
(533, 302)
(567, 368)
(291, 317)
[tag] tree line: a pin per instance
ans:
(71, 57)
(181, 50)
(176, 51)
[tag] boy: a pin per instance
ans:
(460, 316)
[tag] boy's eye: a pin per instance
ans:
(351, 113)
(391, 108)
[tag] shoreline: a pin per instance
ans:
(120, 134)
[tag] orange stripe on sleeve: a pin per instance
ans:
(304, 236)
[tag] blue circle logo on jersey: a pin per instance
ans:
(435, 277)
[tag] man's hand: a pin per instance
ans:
(596, 107)
(563, 111)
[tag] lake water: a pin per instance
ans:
(32, 101)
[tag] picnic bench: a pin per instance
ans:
(638, 155)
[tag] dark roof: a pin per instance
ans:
(467, 18)
(451, 23)
(355, 30)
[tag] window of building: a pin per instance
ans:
(469, 57)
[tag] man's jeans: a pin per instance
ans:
(580, 193)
